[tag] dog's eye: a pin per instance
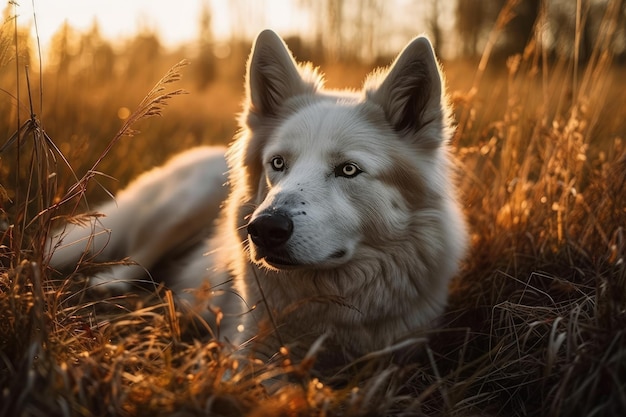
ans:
(347, 170)
(277, 163)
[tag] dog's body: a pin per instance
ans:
(341, 218)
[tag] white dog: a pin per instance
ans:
(341, 218)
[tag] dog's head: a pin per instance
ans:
(320, 176)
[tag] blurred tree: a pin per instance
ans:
(475, 19)
(434, 27)
(205, 63)
(471, 19)
(595, 17)
(563, 33)
(367, 39)
(12, 64)
(316, 10)
(63, 49)
(242, 12)
(142, 52)
(347, 30)
(520, 28)
(97, 56)
(7, 39)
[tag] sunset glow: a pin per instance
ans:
(175, 22)
(501, 123)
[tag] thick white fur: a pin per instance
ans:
(370, 256)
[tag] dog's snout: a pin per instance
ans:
(270, 230)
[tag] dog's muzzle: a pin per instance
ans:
(270, 230)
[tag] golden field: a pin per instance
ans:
(537, 319)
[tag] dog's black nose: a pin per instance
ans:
(270, 230)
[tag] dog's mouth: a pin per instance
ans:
(275, 258)
(282, 260)
(278, 262)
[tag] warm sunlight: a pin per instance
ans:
(117, 18)
(174, 22)
(379, 207)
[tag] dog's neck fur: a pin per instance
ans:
(340, 304)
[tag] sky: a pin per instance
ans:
(175, 21)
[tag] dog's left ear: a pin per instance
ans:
(411, 92)
(273, 75)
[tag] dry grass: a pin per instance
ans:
(536, 323)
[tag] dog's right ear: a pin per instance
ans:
(410, 94)
(273, 75)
